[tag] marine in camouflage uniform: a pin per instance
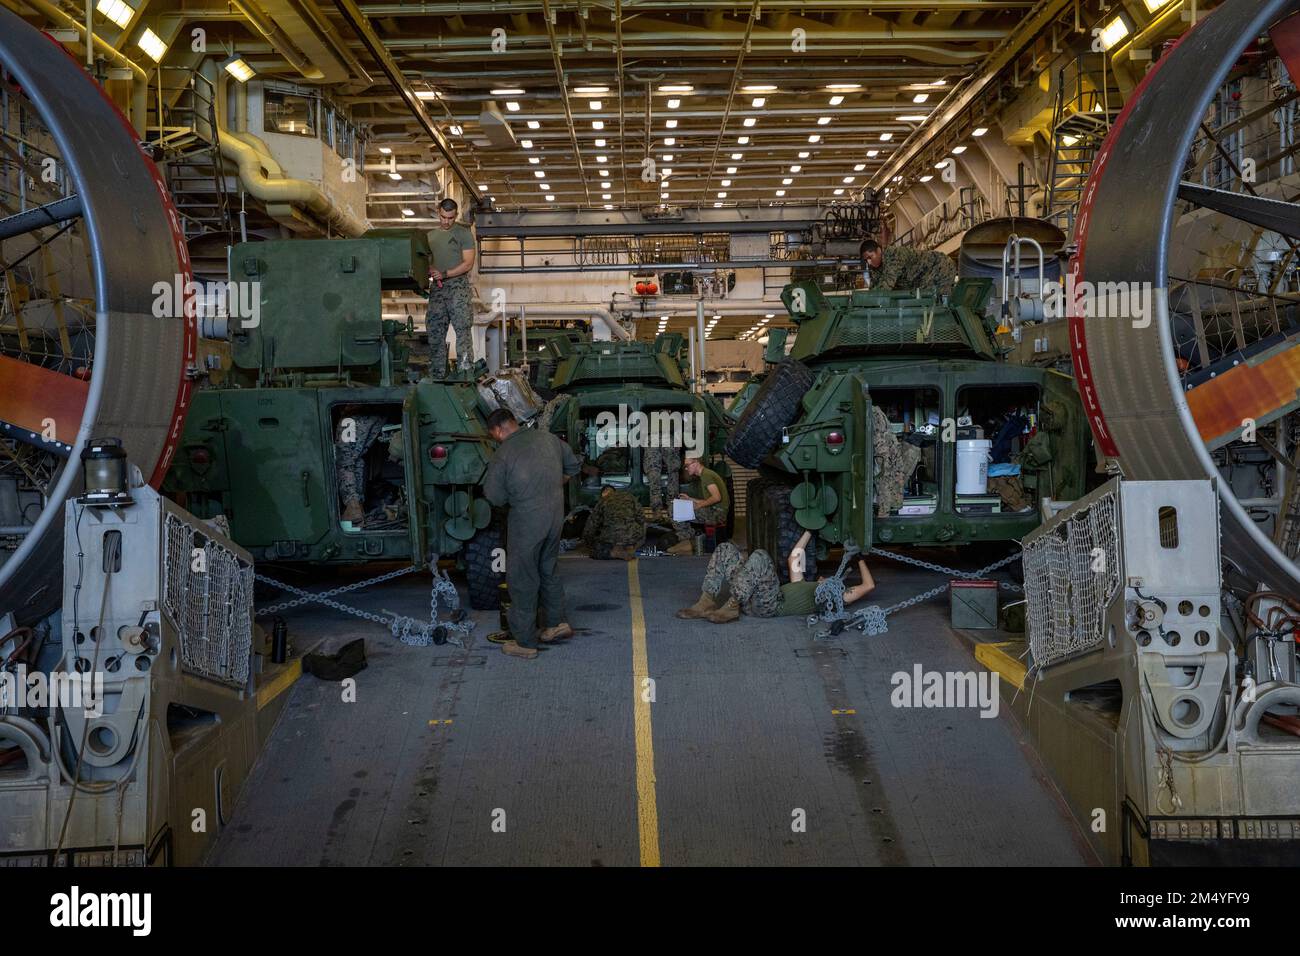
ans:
(895, 462)
(655, 462)
(450, 305)
(616, 527)
(905, 268)
(350, 461)
(714, 514)
(752, 581)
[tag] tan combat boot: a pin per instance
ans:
(557, 633)
(728, 612)
(515, 649)
(700, 608)
(353, 512)
(683, 547)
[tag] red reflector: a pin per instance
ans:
(199, 456)
(835, 438)
(438, 452)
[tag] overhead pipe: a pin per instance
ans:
(576, 310)
(264, 179)
(278, 39)
(72, 23)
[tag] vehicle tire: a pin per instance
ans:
(787, 533)
(772, 409)
(484, 594)
(755, 505)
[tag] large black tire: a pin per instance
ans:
(772, 409)
(787, 532)
(484, 593)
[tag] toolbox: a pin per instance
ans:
(974, 604)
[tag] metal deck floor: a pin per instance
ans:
(751, 722)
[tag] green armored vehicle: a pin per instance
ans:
(316, 398)
(540, 358)
(611, 397)
(974, 442)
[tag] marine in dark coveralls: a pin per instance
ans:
(527, 473)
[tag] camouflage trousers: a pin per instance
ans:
(451, 305)
(350, 456)
(713, 514)
(655, 462)
(895, 462)
(939, 277)
(751, 582)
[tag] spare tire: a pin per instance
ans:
(769, 412)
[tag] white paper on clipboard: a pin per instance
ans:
(683, 509)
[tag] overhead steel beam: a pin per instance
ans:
(564, 95)
(622, 222)
(1008, 49)
(370, 40)
(61, 210)
(1257, 210)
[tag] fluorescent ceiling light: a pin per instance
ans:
(836, 100)
(670, 141)
(534, 160)
(749, 121)
(600, 142)
(814, 138)
(758, 88)
(428, 95)
(482, 189)
(726, 182)
(1113, 32)
(787, 181)
(550, 198)
(849, 179)
(804, 154)
(742, 140)
(795, 168)
(920, 97)
(839, 192)
(508, 91)
(512, 106)
(591, 89)
(663, 195)
(671, 124)
(730, 169)
(394, 176)
(455, 130)
(871, 154)
(593, 104)
(408, 212)
(859, 167)
(737, 156)
(1069, 140)
(823, 120)
(912, 118)
(526, 143)
(240, 70)
(722, 195)
(758, 101)
(533, 124)
(545, 186)
(886, 137)
(606, 195)
(844, 87)
(667, 171)
(926, 178)
(604, 184)
(677, 88)
(668, 157)
(717, 205)
(539, 173)
(117, 11)
(674, 103)
(597, 124)
(386, 150)
(958, 150)
(980, 131)
(152, 44)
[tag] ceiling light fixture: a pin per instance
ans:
(512, 106)
(837, 100)
(980, 131)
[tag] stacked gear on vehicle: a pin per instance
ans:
(629, 386)
(318, 387)
(894, 420)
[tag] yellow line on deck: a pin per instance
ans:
(996, 658)
(647, 810)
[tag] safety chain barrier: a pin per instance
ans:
(406, 629)
(872, 620)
